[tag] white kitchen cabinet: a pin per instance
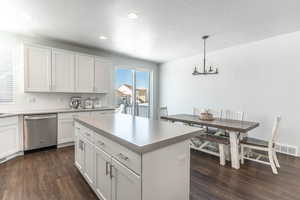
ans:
(84, 73)
(79, 150)
(56, 70)
(65, 131)
(125, 183)
(103, 75)
(37, 68)
(9, 137)
(102, 175)
(89, 160)
(110, 179)
(123, 174)
(63, 71)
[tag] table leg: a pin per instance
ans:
(234, 150)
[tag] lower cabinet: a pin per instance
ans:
(89, 162)
(79, 150)
(65, 130)
(103, 176)
(65, 125)
(125, 183)
(110, 179)
(9, 137)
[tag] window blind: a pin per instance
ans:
(7, 79)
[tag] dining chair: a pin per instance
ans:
(261, 145)
(120, 109)
(163, 111)
(233, 115)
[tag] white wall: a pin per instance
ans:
(52, 100)
(260, 78)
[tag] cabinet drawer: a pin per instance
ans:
(104, 143)
(6, 121)
(67, 115)
(85, 132)
(127, 157)
(88, 134)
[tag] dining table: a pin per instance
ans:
(233, 127)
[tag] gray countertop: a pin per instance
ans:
(138, 134)
(44, 111)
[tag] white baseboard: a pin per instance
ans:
(67, 144)
(9, 157)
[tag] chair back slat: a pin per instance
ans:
(216, 113)
(275, 131)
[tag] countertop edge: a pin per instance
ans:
(12, 114)
(140, 149)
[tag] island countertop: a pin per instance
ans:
(138, 134)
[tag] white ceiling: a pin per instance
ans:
(165, 29)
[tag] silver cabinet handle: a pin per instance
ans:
(81, 145)
(100, 143)
(122, 156)
(110, 171)
(39, 117)
(88, 134)
(107, 165)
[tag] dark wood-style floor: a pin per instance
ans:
(51, 175)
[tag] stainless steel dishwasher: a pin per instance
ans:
(40, 131)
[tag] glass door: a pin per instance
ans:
(132, 92)
(142, 94)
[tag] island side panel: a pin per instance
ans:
(166, 173)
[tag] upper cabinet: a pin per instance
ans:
(103, 75)
(37, 69)
(63, 71)
(57, 70)
(84, 73)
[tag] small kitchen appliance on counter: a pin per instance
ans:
(75, 102)
(88, 103)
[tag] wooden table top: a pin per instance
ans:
(230, 125)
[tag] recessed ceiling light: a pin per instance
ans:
(102, 37)
(132, 15)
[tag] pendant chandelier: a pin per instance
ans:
(204, 71)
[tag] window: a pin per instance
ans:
(7, 81)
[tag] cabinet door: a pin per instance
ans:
(103, 76)
(65, 131)
(84, 73)
(79, 150)
(9, 140)
(37, 69)
(125, 183)
(63, 71)
(102, 181)
(89, 160)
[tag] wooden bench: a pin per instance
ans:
(220, 140)
(214, 138)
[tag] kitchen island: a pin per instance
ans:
(132, 158)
